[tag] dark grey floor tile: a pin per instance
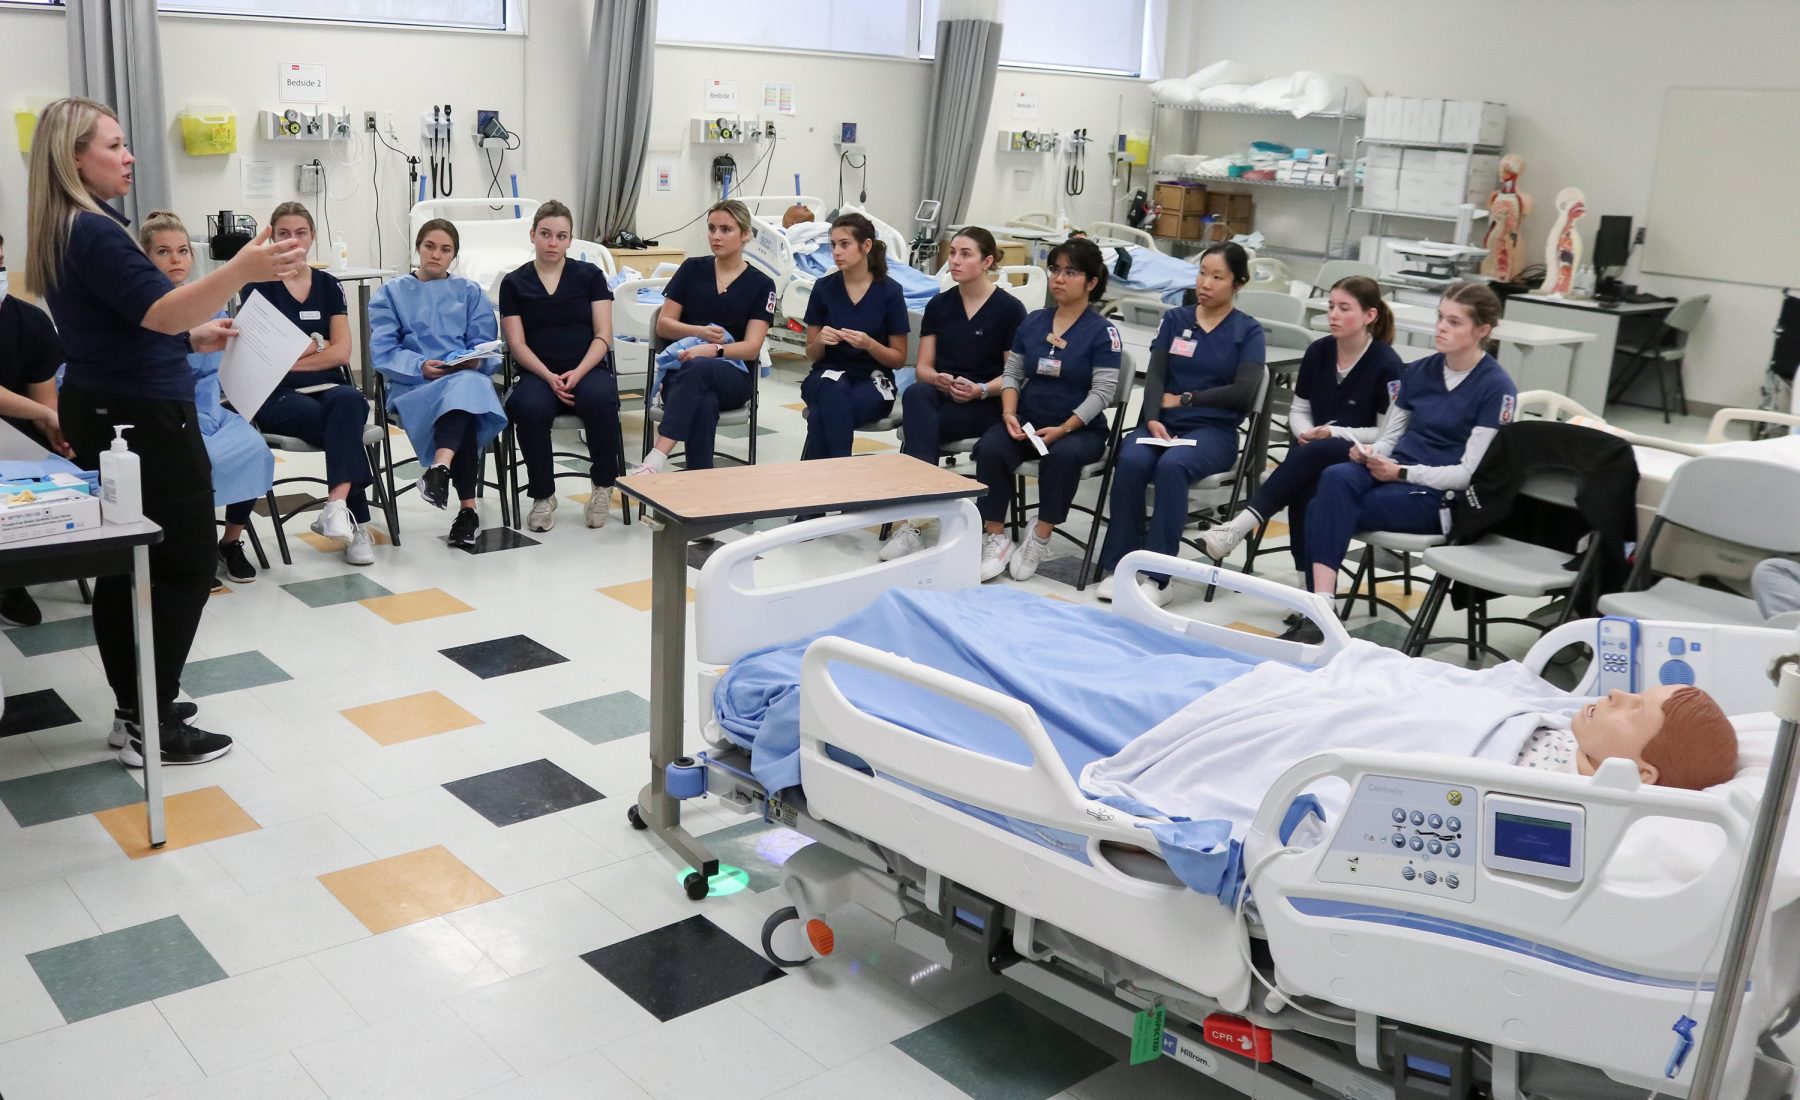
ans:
(493, 539)
(1002, 1049)
(681, 967)
(503, 656)
(35, 710)
(522, 792)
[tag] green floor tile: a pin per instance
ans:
(120, 969)
(328, 591)
(742, 431)
(757, 848)
(231, 673)
(70, 792)
(603, 719)
(1001, 1049)
(53, 637)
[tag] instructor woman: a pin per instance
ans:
(127, 331)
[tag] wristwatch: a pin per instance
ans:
(1187, 399)
(1402, 474)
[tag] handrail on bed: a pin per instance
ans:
(1131, 602)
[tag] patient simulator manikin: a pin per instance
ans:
(1676, 735)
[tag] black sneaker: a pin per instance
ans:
(1306, 632)
(125, 723)
(434, 486)
(181, 744)
(18, 608)
(236, 565)
(465, 527)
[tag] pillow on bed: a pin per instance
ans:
(1178, 93)
(1220, 72)
(1224, 95)
(1316, 92)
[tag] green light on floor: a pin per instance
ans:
(728, 881)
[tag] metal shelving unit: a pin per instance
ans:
(1378, 217)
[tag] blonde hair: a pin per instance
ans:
(738, 211)
(159, 221)
(55, 193)
(294, 210)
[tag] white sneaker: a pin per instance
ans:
(360, 550)
(1104, 590)
(1220, 541)
(902, 540)
(1159, 595)
(541, 517)
(996, 551)
(334, 521)
(599, 507)
(1025, 563)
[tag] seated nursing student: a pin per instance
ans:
(1206, 364)
(1341, 397)
(315, 402)
(243, 467)
(1446, 412)
(1059, 378)
(716, 312)
(557, 317)
(963, 342)
(30, 356)
(449, 411)
(856, 333)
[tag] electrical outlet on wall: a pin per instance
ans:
(369, 121)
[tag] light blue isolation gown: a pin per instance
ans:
(243, 467)
(411, 321)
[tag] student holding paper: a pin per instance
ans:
(127, 332)
(316, 402)
(243, 468)
(1206, 362)
(1058, 380)
(449, 410)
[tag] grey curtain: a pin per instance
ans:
(115, 56)
(616, 123)
(962, 90)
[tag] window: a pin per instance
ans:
(487, 15)
(886, 27)
(1097, 36)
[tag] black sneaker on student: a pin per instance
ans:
(181, 744)
(236, 565)
(18, 608)
(125, 723)
(434, 486)
(465, 528)
(1306, 632)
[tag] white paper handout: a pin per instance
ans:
(266, 347)
(492, 349)
(1152, 441)
(1037, 440)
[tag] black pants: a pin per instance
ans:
(177, 481)
(455, 431)
(1291, 485)
(933, 418)
(533, 405)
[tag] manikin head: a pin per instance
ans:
(1676, 735)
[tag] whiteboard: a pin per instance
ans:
(1723, 203)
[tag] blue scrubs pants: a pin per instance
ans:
(1349, 499)
(998, 457)
(1291, 484)
(1170, 471)
(835, 409)
(693, 398)
(333, 421)
(933, 418)
(533, 405)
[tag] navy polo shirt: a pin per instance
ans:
(972, 347)
(558, 327)
(324, 300)
(29, 352)
(1200, 360)
(881, 314)
(1058, 379)
(1359, 398)
(1440, 420)
(105, 286)
(749, 297)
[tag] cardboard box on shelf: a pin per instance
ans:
(1431, 120)
(1186, 227)
(1384, 156)
(1181, 198)
(1412, 114)
(1380, 189)
(1012, 254)
(1473, 122)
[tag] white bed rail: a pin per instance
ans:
(733, 616)
(1110, 232)
(1130, 601)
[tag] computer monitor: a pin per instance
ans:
(1612, 245)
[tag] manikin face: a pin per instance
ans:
(172, 254)
(1621, 725)
(105, 165)
(967, 264)
(550, 238)
(436, 253)
(1346, 316)
(724, 236)
(846, 251)
(1214, 285)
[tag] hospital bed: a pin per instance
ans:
(1329, 971)
(494, 242)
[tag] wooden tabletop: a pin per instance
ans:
(743, 493)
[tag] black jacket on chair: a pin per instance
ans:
(1605, 473)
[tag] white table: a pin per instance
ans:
(1594, 361)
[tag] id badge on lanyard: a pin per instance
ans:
(1185, 345)
(1049, 366)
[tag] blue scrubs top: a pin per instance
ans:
(1058, 379)
(972, 347)
(749, 297)
(324, 300)
(558, 327)
(1441, 420)
(105, 285)
(881, 314)
(1201, 360)
(1359, 399)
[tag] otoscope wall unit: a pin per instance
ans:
(724, 130)
(1029, 141)
(293, 124)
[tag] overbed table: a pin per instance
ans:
(690, 504)
(104, 551)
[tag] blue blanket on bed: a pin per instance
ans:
(1096, 679)
(918, 287)
(1153, 272)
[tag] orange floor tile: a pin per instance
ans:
(412, 607)
(336, 546)
(193, 818)
(407, 889)
(635, 595)
(863, 446)
(410, 717)
(1248, 629)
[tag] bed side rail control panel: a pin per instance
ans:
(1407, 834)
(1428, 1066)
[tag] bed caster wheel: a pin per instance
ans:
(695, 884)
(636, 818)
(776, 919)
